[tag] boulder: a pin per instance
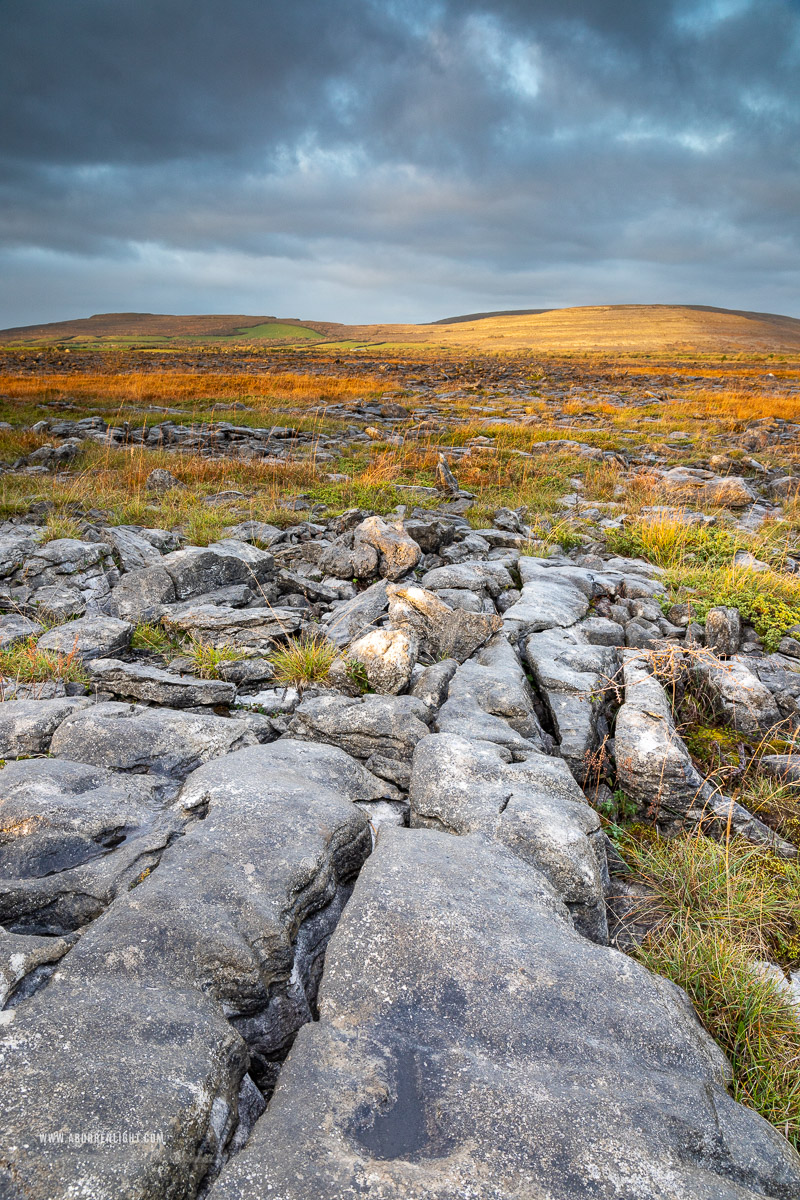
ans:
(386, 725)
(442, 632)
(729, 491)
(143, 595)
(723, 631)
(548, 599)
(27, 726)
(221, 625)
(257, 532)
(601, 631)
(85, 569)
(157, 741)
(71, 837)
(168, 1020)
(493, 682)
(534, 808)
(194, 570)
(88, 637)
(445, 481)
(388, 657)
(484, 578)
(472, 1044)
(738, 695)
(349, 619)
(576, 682)
(16, 543)
(397, 553)
(15, 628)
(655, 770)
(783, 767)
(430, 534)
(132, 548)
(143, 682)
(431, 685)
(161, 481)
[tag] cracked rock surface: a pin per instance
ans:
(351, 939)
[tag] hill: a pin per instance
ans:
(629, 327)
(623, 328)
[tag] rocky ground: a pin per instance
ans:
(313, 838)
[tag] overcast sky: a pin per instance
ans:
(369, 160)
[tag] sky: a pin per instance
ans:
(396, 160)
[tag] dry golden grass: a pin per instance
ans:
(174, 387)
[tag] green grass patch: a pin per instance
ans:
(303, 660)
(722, 909)
(270, 330)
(207, 659)
(670, 543)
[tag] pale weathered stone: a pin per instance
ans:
(443, 632)
(143, 682)
(397, 552)
(187, 993)
(129, 737)
(388, 725)
(387, 656)
(27, 726)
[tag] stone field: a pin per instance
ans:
(319, 761)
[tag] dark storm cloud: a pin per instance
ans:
(366, 160)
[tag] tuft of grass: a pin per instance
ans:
(673, 544)
(775, 803)
(149, 635)
(60, 526)
(304, 660)
(723, 909)
(26, 663)
(747, 1014)
(206, 659)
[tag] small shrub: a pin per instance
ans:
(303, 660)
(357, 672)
(768, 600)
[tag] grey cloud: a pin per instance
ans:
(485, 147)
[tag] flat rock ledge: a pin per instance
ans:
(570, 1072)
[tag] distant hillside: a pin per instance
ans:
(160, 327)
(501, 312)
(613, 328)
(629, 327)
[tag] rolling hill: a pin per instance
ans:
(623, 328)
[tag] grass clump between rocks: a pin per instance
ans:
(724, 911)
(25, 662)
(303, 660)
(672, 543)
(206, 659)
(149, 635)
